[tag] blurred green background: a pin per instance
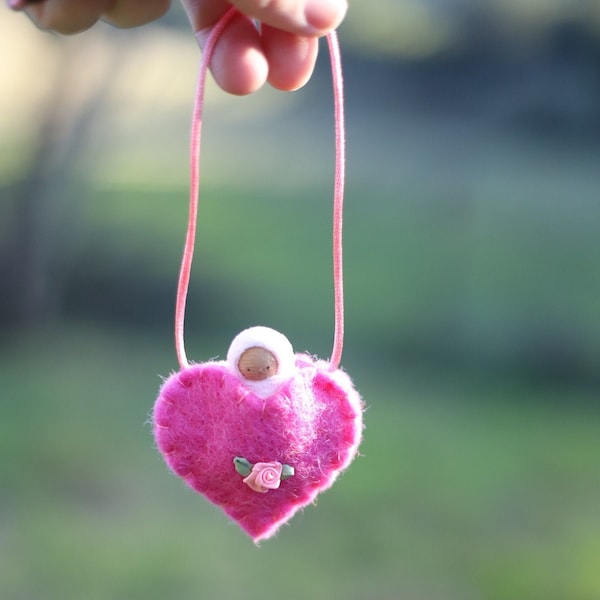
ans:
(472, 255)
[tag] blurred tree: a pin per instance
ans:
(40, 209)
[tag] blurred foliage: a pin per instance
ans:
(472, 287)
(420, 28)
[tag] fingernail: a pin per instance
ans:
(325, 16)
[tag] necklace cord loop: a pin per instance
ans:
(338, 193)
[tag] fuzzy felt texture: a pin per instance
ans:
(206, 415)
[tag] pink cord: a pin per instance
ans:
(338, 199)
(338, 194)
(190, 237)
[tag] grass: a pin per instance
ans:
(465, 489)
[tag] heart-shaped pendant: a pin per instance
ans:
(261, 433)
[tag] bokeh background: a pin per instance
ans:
(472, 241)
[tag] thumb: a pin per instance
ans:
(308, 18)
(304, 17)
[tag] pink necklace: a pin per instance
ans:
(261, 433)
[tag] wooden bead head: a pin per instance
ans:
(257, 364)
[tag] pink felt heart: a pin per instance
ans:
(305, 419)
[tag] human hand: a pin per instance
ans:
(282, 51)
(73, 16)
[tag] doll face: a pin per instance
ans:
(257, 364)
(262, 359)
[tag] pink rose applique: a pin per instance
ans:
(264, 476)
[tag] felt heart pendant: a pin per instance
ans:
(261, 433)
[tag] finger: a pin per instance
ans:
(291, 58)
(66, 16)
(132, 13)
(238, 64)
(205, 13)
(302, 17)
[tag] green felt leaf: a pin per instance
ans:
(242, 466)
